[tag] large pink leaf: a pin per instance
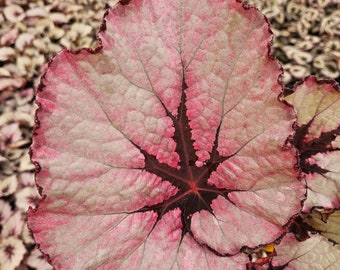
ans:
(317, 105)
(164, 148)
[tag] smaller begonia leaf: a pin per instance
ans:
(13, 226)
(37, 261)
(317, 105)
(5, 212)
(313, 254)
(12, 251)
(324, 188)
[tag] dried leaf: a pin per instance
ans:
(327, 222)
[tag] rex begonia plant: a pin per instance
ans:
(173, 146)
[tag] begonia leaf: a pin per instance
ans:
(324, 188)
(314, 253)
(8, 185)
(165, 147)
(12, 251)
(5, 212)
(13, 226)
(37, 261)
(317, 105)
